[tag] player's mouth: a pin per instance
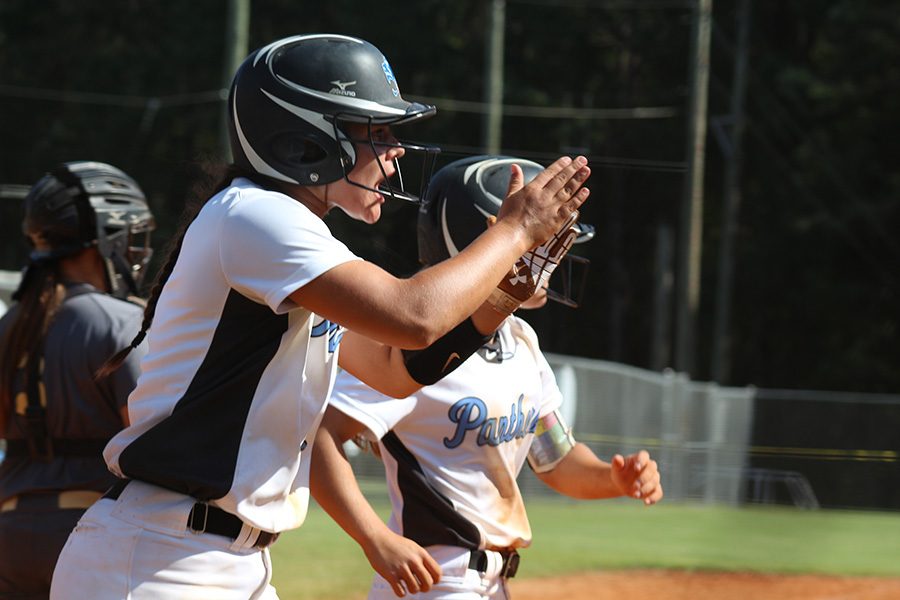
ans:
(394, 189)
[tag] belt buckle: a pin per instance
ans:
(510, 565)
(192, 518)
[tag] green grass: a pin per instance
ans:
(588, 536)
(320, 561)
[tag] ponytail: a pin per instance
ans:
(217, 178)
(40, 296)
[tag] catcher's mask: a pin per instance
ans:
(460, 198)
(290, 103)
(83, 204)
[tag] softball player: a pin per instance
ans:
(452, 450)
(83, 221)
(248, 315)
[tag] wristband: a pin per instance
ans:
(430, 364)
(503, 303)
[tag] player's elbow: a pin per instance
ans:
(420, 327)
(423, 335)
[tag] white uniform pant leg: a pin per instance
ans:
(107, 558)
(458, 581)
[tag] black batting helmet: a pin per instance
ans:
(460, 198)
(290, 100)
(83, 204)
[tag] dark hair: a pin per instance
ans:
(216, 178)
(39, 298)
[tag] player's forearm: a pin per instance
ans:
(456, 288)
(487, 319)
(380, 366)
(582, 475)
(333, 485)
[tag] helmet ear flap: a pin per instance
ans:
(296, 150)
(87, 219)
(311, 155)
(58, 215)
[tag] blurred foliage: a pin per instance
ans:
(816, 304)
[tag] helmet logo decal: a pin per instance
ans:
(341, 88)
(115, 217)
(389, 75)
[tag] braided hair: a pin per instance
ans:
(39, 296)
(217, 178)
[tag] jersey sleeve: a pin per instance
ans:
(377, 412)
(272, 245)
(551, 396)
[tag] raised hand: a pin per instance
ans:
(543, 206)
(637, 476)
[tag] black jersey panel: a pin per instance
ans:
(194, 450)
(428, 516)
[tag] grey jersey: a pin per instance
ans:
(89, 327)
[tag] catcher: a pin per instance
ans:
(452, 450)
(88, 226)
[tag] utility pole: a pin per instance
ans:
(237, 26)
(493, 85)
(662, 299)
(720, 369)
(690, 231)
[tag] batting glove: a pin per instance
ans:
(533, 269)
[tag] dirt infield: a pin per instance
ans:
(681, 585)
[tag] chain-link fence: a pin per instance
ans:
(720, 444)
(728, 445)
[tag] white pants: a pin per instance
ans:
(458, 581)
(139, 547)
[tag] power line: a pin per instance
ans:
(612, 162)
(12, 191)
(448, 104)
(553, 112)
(131, 101)
(610, 4)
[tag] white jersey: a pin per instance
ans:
(452, 451)
(237, 375)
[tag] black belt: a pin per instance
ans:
(478, 560)
(58, 500)
(61, 447)
(205, 518)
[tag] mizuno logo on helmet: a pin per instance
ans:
(341, 88)
(115, 217)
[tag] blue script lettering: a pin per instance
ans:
(470, 414)
(334, 331)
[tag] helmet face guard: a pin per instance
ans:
(463, 195)
(426, 154)
(289, 102)
(83, 204)
(124, 243)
